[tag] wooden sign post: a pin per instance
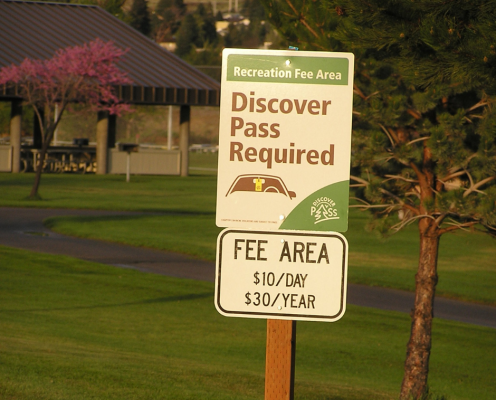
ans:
(280, 360)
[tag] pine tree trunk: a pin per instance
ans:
(414, 384)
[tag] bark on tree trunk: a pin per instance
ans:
(39, 170)
(414, 384)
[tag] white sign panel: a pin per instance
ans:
(281, 275)
(285, 140)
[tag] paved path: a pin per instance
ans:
(23, 228)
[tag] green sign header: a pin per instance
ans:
(288, 69)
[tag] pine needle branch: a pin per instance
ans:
(302, 19)
(457, 225)
(366, 205)
(474, 187)
(398, 177)
(452, 176)
(388, 134)
(418, 140)
(360, 180)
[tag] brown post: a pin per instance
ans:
(184, 126)
(102, 128)
(15, 134)
(280, 360)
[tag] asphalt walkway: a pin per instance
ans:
(23, 228)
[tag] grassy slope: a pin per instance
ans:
(466, 263)
(77, 330)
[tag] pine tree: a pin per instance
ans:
(167, 19)
(140, 17)
(187, 36)
(424, 133)
(253, 10)
(206, 23)
(249, 36)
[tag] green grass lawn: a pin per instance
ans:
(205, 163)
(72, 329)
(111, 192)
(183, 220)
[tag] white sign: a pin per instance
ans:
(285, 140)
(281, 275)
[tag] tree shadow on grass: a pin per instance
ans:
(132, 303)
(53, 221)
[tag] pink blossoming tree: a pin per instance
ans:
(84, 74)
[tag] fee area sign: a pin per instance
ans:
(285, 140)
(284, 274)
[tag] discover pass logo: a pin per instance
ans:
(323, 209)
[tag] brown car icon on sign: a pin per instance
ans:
(260, 183)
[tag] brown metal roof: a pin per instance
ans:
(36, 30)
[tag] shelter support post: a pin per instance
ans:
(128, 167)
(105, 139)
(15, 134)
(169, 130)
(102, 142)
(184, 128)
(280, 360)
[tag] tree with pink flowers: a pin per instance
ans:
(85, 74)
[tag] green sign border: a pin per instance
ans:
(288, 69)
